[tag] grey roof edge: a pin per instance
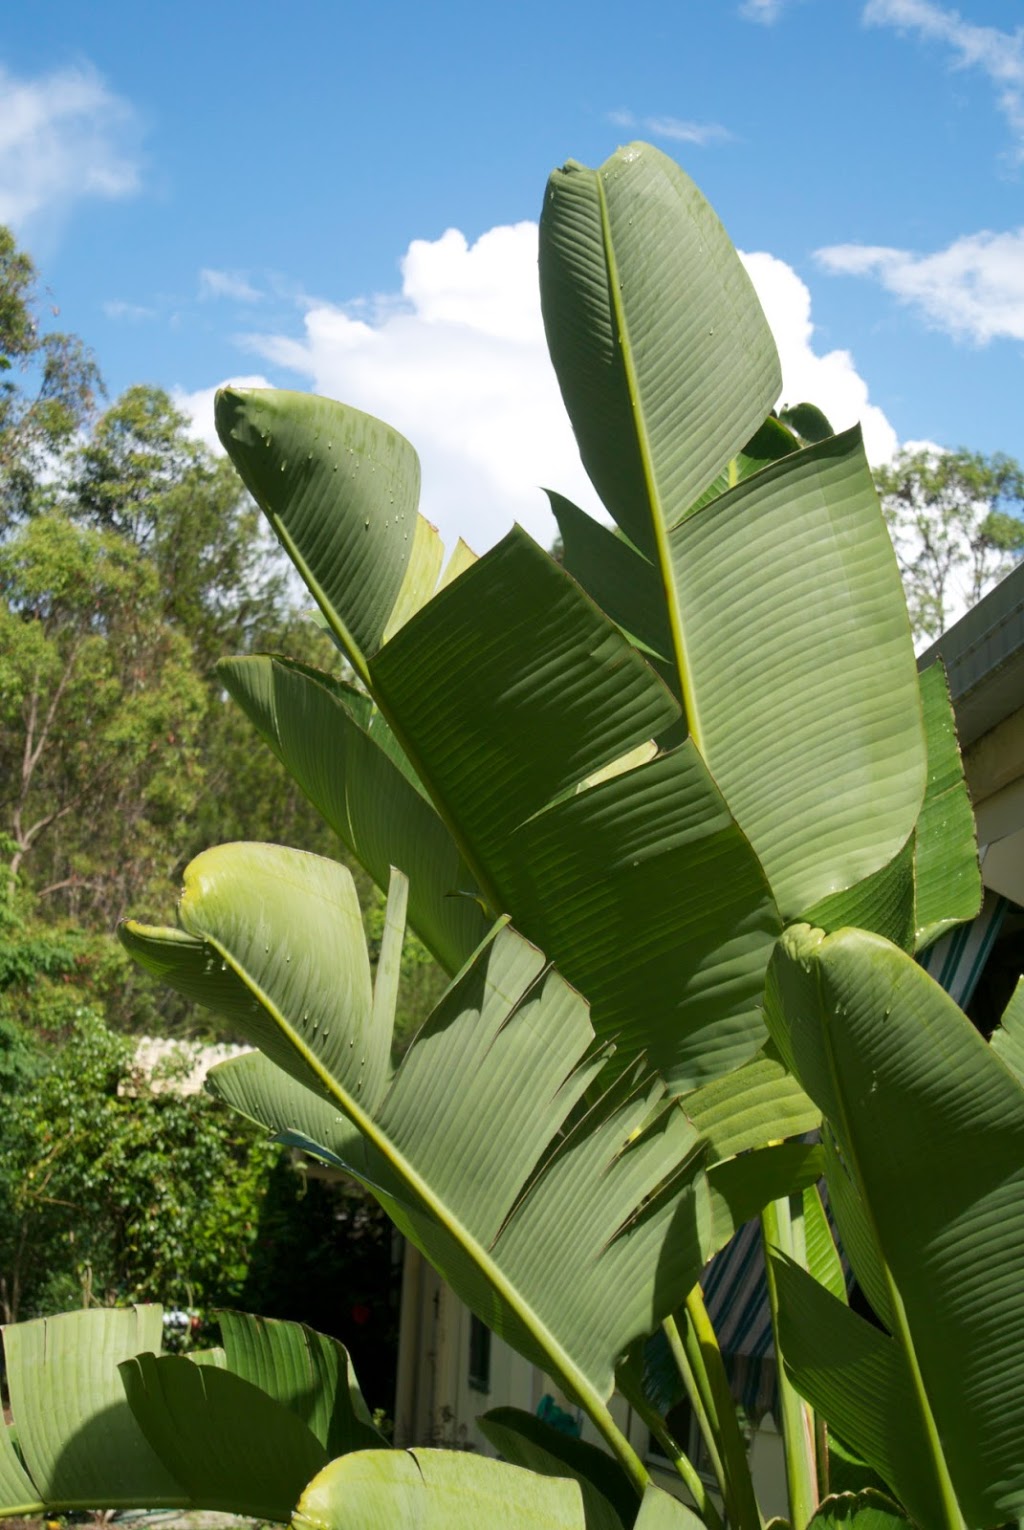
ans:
(984, 657)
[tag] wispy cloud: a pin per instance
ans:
(973, 290)
(675, 128)
(998, 54)
(64, 137)
(767, 12)
(227, 284)
(116, 308)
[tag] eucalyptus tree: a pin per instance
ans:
(49, 389)
(956, 523)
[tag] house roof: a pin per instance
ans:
(984, 658)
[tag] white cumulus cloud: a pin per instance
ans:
(998, 54)
(974, 289)
(64, 136)
(457, 362)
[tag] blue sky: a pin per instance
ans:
(343, 197)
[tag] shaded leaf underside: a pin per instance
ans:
(533, 1208)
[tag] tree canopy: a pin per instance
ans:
(955, 522)
(131, 560)
(49, 386)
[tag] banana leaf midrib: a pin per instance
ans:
(351, 648)
(658, 517)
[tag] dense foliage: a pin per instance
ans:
(91, 1213)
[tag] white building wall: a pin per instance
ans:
(436, 1405)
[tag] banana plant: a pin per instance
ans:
(610, 787)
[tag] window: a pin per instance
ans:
(479, 1355)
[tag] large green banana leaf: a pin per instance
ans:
(756, 1103)
(445, 1490)
(800, 681)
(243, 1433)
(307, 1372)
(855, 1377)
(665, 359)
(1008, 1038)
(78, 1445)
(934, 880)
(661, 1511)
(807, 421)
(371, 564)
(782, 601)
(858, 1511)
(338, 749)
(947, 876)
(546, 1216)
(509, 691)
(929, 1126)
(737, 1187)
(847, 1473)
(232, 1448)
(820, 1255)
(858, 1241)
(435, 1490)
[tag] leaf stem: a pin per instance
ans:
(680, 1460)
(821, 1453)
(741, 1503)
(798, 1434)
(631, 1463)
(690, 1365)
